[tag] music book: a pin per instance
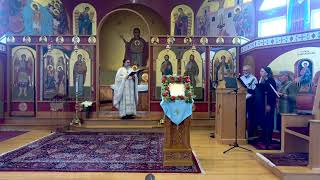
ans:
(135, 72)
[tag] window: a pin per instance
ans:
(273, 26)
(228, 3)
(3, 39)
(315, 16)
(270, 4)
(247, 1)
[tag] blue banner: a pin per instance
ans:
(177, 111)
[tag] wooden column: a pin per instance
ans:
(177, 150)
(314, 144)
(143, 103)
(288, 141)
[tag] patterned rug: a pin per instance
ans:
(5, 135)
(288, 159)
(260, 145)
(93, 152)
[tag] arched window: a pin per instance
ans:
(270, 4)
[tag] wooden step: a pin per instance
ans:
(142, 121)
(97, 122)
(202, 123)
(118, 128)
(137, 118)
(140, 115)
(103, 120)
(36, 121)
(29, 127)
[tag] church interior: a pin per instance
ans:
(150, 89)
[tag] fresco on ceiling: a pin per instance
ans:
(182, 21)
(226, 18)
(84, 19)
(33, 17)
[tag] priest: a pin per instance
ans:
(125, 96)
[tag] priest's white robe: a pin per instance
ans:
(125, 92)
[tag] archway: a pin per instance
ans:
(111, 48)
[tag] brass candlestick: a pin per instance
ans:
(76, 120)
(161, 121)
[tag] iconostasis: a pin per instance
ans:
(45, 69)
(45, 61)
(197, 57)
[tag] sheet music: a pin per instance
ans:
(135, 72)
(274, 90)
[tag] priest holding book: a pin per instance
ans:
(125, 95)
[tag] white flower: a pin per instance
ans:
(87, 103)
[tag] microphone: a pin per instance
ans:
(150, 177)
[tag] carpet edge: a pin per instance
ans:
(202, 171)
(5, 153)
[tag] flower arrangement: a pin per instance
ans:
(87, 103)
(87, 107)
(165, 89)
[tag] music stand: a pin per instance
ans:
(233, 81)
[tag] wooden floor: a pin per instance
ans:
(235, 165)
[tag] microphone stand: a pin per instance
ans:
(235, 144)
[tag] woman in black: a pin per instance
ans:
(265, 103)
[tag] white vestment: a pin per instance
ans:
(250, 81)
(125, 95)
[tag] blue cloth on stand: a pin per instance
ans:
(177, 111)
